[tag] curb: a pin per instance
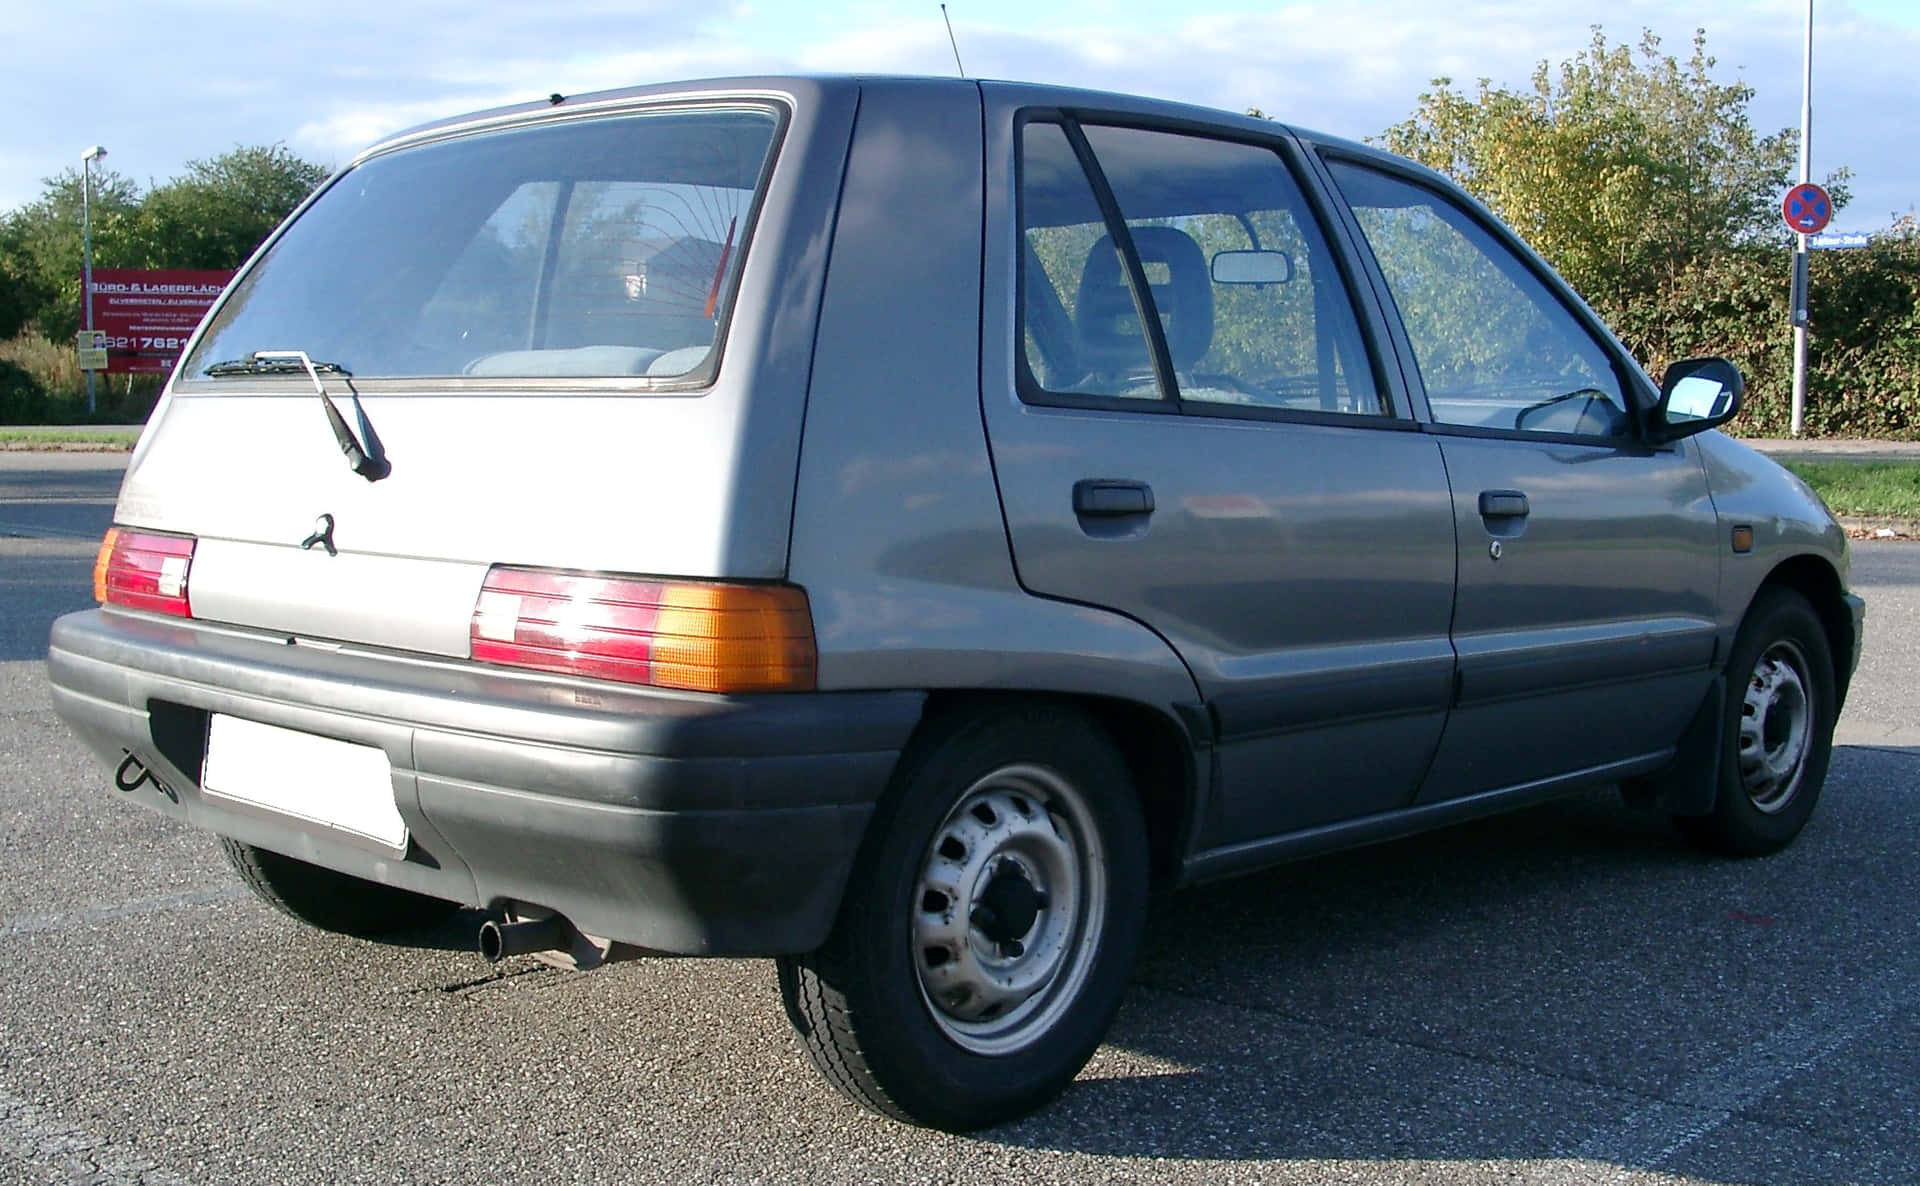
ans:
(1778, 448)
(1874, 527)
(1839, 449)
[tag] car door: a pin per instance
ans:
(1588, 561)
(1188, 425)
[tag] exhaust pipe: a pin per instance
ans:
(500, 941)
(550, 938)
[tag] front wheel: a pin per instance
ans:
(1776, 733)
(988, 928)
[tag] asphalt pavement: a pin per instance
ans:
(1563, 995)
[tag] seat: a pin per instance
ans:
(1107, 326)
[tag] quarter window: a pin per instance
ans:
(1082, 331)
(1495, 347)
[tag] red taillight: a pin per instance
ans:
(144, 570)
(702, 636)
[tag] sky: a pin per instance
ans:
(163, 82)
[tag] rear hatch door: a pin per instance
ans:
(569, 339)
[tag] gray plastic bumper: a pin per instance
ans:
(686, 823)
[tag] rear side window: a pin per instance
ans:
(1251, 307)
(593, 248)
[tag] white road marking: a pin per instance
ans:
(38, 1141)
(35, 924)
(42, 531)
(1649, 1135)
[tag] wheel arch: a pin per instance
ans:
(1815, 579)
(1157, 748)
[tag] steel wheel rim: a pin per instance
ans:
(1019, 824)
(1776, 727)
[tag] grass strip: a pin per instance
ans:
(66, 438)
(1870, 488)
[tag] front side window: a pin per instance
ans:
(1496, 349)
(590, 248)
(1251, 308)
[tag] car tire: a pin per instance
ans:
(989, 925)
(332, 901)
(1777, 730)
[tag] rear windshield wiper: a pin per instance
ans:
(271, 362)
(370, 466)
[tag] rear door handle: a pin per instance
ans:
(1503, 504)
(1105, 498)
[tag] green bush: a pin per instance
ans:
(41, 383)
(50, 364)
(1863, 357)
(22, 400)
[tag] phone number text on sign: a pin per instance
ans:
(146, 345)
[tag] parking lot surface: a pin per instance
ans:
(1564, 995)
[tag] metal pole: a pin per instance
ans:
(1800, 295)
(87, 265)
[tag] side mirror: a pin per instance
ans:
(1252, 267)
(1695, 395)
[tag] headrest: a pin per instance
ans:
(1109, 327)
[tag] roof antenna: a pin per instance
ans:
(952, 42)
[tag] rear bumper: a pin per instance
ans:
(685, 823)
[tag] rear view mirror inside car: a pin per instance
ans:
(1252, 267)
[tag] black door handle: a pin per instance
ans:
(1503, 504)
(1102, 498)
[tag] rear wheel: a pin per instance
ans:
(989, 926)
(1777, 731)
(329, 900)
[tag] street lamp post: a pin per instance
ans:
(87, 160)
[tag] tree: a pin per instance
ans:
(40, 249)
(216, 212)
(1622, 169)
(212, 216)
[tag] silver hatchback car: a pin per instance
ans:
(892, 525)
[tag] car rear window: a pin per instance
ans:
(589, 248)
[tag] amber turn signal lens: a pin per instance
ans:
(733, 638)
(100, 561)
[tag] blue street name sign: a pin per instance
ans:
(1837, 240)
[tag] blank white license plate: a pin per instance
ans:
(334, 784)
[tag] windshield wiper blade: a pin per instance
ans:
(369, 466)
(269, 362)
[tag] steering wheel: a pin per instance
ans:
(1227, 383)
(1520, 417)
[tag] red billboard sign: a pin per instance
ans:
(148, 315)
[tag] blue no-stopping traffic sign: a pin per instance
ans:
(1807, 209)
